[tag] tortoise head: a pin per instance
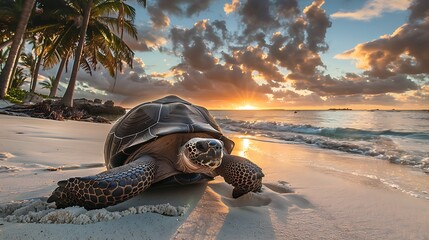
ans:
(203, 152)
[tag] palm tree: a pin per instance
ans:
(28, 61)
(48, 84)
(68, 96)
(100, 45)
(10, 11)
(57, 79)
(18, 78)
(40, 43)
(64, 32)
(103, 45)
(13, 52)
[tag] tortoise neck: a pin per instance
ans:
(165, 148)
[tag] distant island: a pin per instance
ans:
(340, 109)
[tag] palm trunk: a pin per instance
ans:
(56, 82)
(121, 23)
(15, 65)
(36, 69)
(68, 95)
(6, 74)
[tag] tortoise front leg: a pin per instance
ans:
(241, 173)
(107, 188)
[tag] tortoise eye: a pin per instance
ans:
(202, 146)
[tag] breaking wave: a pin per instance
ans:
(387, 144)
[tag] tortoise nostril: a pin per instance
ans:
(213, 143)
(202, 146)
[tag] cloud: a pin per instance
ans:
(266, 15)
(369, 101)
(373, 9)
(198, 56)
(158, 18)
(239, 70)
(131, 83)
(317, 24)
(289, 99)
(148, 39)
(351, 84)
(254, 59)
(419, 10)
(229, 8)
(273, 57)
(294, 55)
(402, 52)
(286, 8)
(213, 34)
(220, 83)
(298, 51)
(256, 15)
(185, 8)
(197, 44)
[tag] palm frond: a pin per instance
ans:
(85, 65)
(60, 46)
(114, 7)
(127, 25)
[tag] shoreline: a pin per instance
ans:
(83, 110)
(308, 192)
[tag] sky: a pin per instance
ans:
(287, 54)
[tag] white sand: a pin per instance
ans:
(308, 193)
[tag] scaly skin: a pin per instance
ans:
(121, 183)
(241, 173)
(107, 188)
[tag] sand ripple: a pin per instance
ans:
(5, 156)
(6, 169)
(38, 211)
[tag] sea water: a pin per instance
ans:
(390, 148)
(400, 137)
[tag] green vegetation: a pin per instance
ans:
(16, 95)
(90, 31)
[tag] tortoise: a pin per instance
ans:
(160, 143)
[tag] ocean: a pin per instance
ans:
(400, 137)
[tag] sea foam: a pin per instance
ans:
(379, 144)
(38, 211)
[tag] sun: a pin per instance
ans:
(246, 107)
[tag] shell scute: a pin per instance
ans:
(151, 120)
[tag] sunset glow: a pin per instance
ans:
(310, 54)
(246, 107)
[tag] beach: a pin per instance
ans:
(308, 192)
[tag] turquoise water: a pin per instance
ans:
(400, 137)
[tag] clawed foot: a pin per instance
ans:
(241, 173)
(84, 192)
(62, 195)
(252, 184)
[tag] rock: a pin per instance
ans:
(83, 110)
(99, 119)
(80, 101)
(109, 103)
(107, 110)
(33, 98)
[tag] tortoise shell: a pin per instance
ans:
(148, 121)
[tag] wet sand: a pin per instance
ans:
(308, 193)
